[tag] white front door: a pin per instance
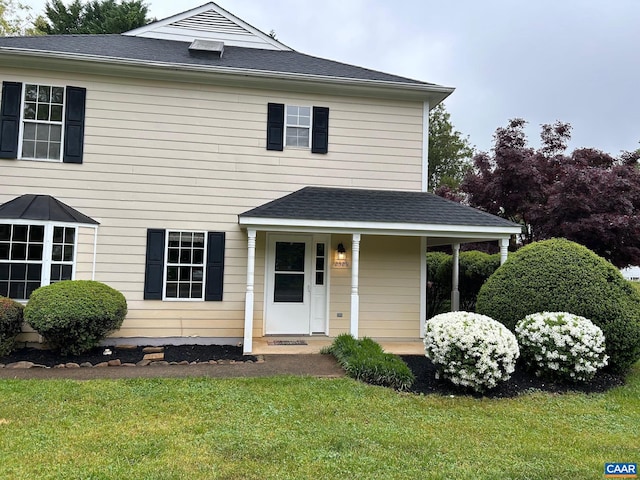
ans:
(295, 303)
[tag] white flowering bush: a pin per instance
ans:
(471, 350)
(560, 345)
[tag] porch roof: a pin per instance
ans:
(43, 208)
(342, 210)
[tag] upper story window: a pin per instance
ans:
(298, 126)
(42, 122)
(42, 116)
(33, 255)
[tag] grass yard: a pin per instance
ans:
(305, 428)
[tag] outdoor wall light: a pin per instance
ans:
(341, 257)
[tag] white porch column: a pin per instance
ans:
(355, 297)
(248, 298)
(455, 293)
(504, 250)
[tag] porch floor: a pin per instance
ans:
(315, 344)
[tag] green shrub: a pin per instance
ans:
(471, 350)
(365, 360)
(560, 345)
(11, 318)
(74, 315)
(438, 292)
(474, 269)
(561, 276)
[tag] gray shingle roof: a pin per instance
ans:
(44, 208)
(171, 52)
(352, 205)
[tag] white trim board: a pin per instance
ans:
(380, 228)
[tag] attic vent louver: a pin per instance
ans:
(206, 48)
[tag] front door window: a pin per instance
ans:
(289, 272)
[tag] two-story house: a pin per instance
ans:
(231, 187)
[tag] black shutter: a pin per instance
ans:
(320, 134)
(154, 267)
(275, 126)
(215, 266)
(10, 119)
(74, 125)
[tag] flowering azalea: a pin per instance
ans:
(562, 345)
(471, 350)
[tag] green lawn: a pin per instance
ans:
(305, 428)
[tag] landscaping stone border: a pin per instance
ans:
(154, 356)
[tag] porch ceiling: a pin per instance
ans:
(381, 212)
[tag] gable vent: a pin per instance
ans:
(211, 21)
(206, 48)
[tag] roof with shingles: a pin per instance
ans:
(170, 52)
(384, 206)
(43, 208)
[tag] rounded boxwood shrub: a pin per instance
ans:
(561, 276)
(74, 315)
(471, 350)
(11, 318)
(562, 346)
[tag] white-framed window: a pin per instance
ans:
(41, 133)
(321, 264)
(34, 254)
(184, 276)
(297, 126)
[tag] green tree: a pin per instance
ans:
(106, 16)
(15, 19)
(449, 152)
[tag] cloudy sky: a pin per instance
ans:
(545, 60)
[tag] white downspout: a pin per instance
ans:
(425, 146)
(95, 252)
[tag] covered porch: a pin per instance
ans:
(307, 345)
(352, 261)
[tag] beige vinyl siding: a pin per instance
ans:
(389, 287)
(187, 156)
(340, 289)
(84, 253)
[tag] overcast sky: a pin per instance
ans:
(545, 60)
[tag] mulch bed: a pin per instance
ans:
(520, 382)
(172, 353)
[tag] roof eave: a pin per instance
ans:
(434, 94)
(476, 232)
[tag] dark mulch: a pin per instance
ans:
(520, 382)
(172, 353)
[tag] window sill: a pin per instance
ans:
(47, 160)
